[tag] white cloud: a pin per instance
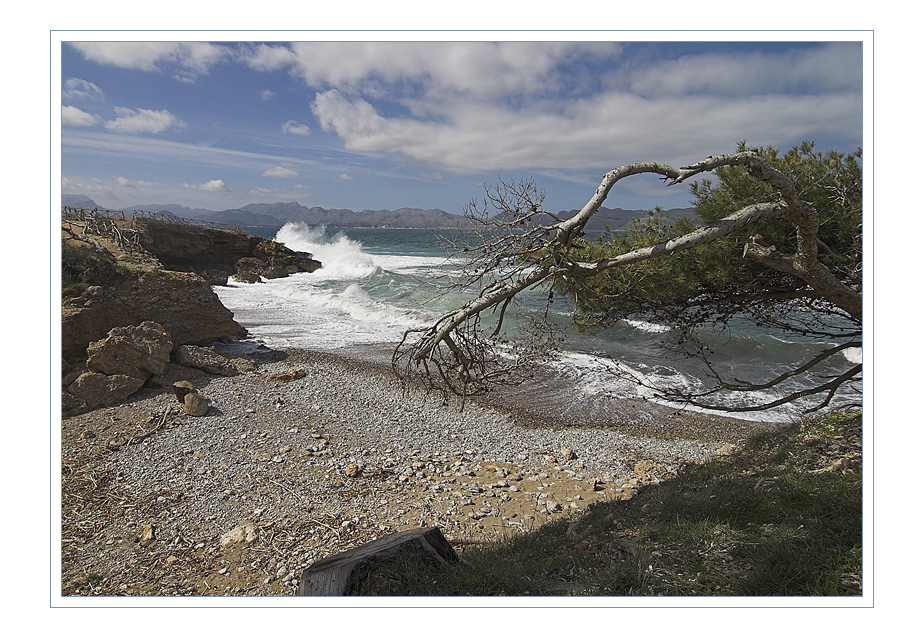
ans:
(280, 171)
(77, 89)
(191, 57)
(475, 107)
(295, 128)
(135, 184)
(72, 116)
(143, 121)
(477, 68)
(266, 95)
(604, 131)
(264, 57)
(211, 186)
(345, 177)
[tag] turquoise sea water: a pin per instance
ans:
(376, 283)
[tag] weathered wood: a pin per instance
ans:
(357, 571)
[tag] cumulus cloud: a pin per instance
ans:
(477, 68)
(77, 89)
(72, 116)
(295, 128)
(211, 186)
(265, 57)
(471, 107)
(280, 171)
(143, 121)
(612, 128)
(190, 57)
(266, 95)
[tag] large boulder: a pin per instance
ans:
(96, 390)
(139, 352)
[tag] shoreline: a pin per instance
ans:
(306, 468)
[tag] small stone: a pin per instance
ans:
(353, 470)
(568, 454)
(553, 507)
(194, 404)
(172, 559)
(288, 375)
(240, 534)
(147, 534)
(726, 450)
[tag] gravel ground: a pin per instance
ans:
(279, 474)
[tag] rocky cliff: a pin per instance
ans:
(216, 254)
(167, 282)
(183, 303)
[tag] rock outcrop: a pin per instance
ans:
(182, 303)
(216, 254)
(126, 311)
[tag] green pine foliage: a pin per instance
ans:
(716, 281)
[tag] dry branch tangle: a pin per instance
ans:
(555, 242)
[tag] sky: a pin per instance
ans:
(430, 124)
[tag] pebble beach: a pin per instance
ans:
(308, 454)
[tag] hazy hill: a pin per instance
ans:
(279, 213)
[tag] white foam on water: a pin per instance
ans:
(647, 326)
(304, 311)
(853, 355)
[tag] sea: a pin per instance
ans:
(376, 283)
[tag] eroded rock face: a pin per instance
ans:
(182, 303)
(216, 253)
(139, 351)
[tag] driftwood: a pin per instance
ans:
(364, 571)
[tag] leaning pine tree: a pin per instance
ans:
(779, 242)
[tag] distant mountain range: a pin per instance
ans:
(281, 213)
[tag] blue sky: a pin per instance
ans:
(371, 125)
